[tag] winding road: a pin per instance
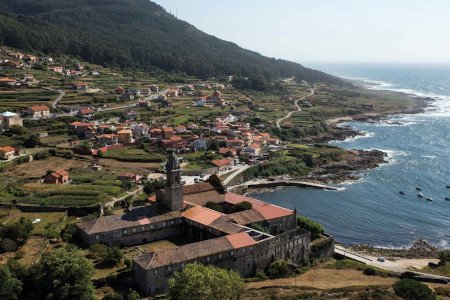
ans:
(297, 106)
(61, 95)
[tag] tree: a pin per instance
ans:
(18, 130)
(111, 257)
(214, 206)
(100, 153)
(64, 275)
(413, 290)
(10, 286)
(126, 185)
(151, 186)
(19, 231)
(201, 282)
(32, 141)
(278, 269)
(315, 228)
(242, 206)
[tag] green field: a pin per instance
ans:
(133, 154)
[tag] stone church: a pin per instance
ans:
(243, 241)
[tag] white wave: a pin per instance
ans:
(363, 135)
(440, 106)
(428, 156)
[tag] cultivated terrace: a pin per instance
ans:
(78, 140)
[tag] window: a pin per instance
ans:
(143, 228)
(97, 237)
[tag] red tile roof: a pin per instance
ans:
(39, 108)
(239, 240)
(202, 215)
(222, 162)
(7, 149)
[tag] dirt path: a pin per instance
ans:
(298, 108)
(324, 279)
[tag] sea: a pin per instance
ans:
(372, 211)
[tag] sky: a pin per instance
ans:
(327, 30)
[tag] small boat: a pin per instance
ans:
(418, 189)
(402, 193)
(420, 195)
(447, 198)
(429, 199)
(448, 186)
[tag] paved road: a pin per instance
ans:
(239, 170)
(61, 95)
(289, 114)
(284, 182)
(399, 266)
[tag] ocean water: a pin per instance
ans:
(371, 210)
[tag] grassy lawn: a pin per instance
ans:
(133, 154)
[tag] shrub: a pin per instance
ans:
(278, 269)
(315, 228)
(242, 206)
(128, 262)
(111, 257)
(113, 296)
(413, 290)
(41, 155)
(133, 295)
(214, 206)
(97, 251)
(370, 271)
(18, 231)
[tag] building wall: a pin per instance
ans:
(293, 246)
(135, 235)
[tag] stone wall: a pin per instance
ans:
(292, 246)
(137, 235)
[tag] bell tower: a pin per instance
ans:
(173, 190)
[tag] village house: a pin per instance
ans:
(86, 112)
(252, 150)
(235, 143)
(106, 139)
(228, 151)
(125, 136)
(223, 164)
(156, 133)
(10, 119)
(81, 128)
(57, 69)
(140, 130)
(106, 128)
(168, 132)
(130, 177)
(172, 93)
(154, 88)
(8, 152)
(7, 82)
(58, 177)
(199, 144)
(119, 90)
(30, 58)
(39, 111)
(80, 86)
(127, 97)
(16, 55)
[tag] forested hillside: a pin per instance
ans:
(136, 34)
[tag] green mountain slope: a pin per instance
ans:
(135, 34)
